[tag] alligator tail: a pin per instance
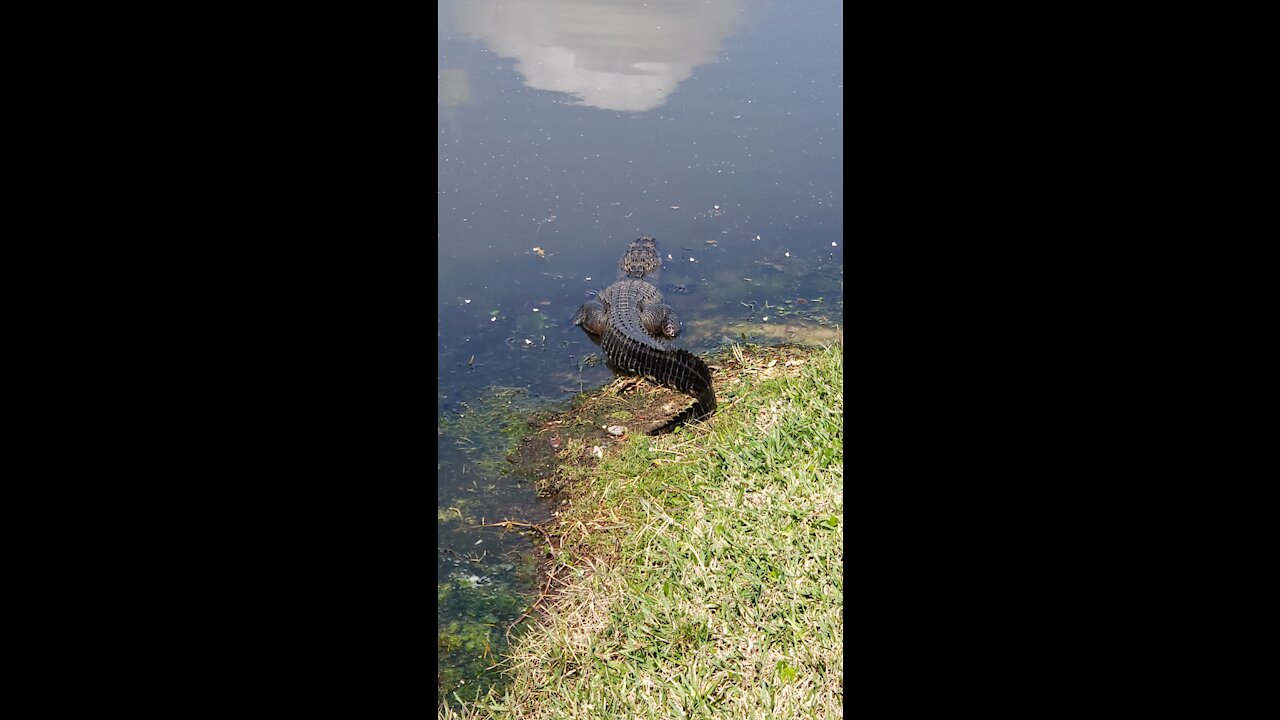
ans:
(675, 368)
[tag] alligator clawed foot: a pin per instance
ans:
(628, 384)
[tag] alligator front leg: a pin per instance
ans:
(593, 317)
(660, 320)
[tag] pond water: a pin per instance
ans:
(566, 129)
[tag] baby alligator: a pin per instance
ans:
(634, 324)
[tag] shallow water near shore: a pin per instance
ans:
(564, 131)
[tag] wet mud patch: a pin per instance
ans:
(563, 448)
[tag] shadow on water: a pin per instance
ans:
(566, 129)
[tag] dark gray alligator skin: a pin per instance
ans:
(634, 324)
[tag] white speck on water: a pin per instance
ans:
(527, 341)
(535, 309)
(757, 237)
(669, 257)
(467, 302)
(786, 254)
(588, 279)
(833, 244)
(690, 258)
(493, 319)
(766, 318)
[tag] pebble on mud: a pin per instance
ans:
(616, 430)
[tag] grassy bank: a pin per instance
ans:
(700, 574)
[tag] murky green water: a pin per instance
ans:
(566, 129)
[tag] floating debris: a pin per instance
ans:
(540, 251)
(711, 242)
(467, 301)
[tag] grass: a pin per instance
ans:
(701, 574)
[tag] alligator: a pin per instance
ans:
(635, 326)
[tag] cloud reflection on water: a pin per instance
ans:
(623, 55)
